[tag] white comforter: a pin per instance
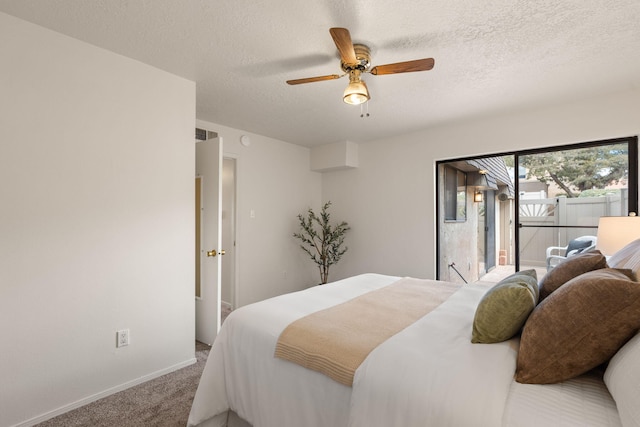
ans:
(427, 375)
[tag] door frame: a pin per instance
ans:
(489, 230)
(207, 306)
(232, 251)
(633, 186)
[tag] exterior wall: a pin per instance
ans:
(461, 240)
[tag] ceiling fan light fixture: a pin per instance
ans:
(355, 59)
(356, 93)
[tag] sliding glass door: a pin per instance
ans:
(562, 193)
(529, 209)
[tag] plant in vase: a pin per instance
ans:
(323, 242)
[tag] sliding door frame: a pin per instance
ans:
(632, 202)
(632, 142)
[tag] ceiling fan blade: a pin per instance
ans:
(342, 39)
(313, 79)
(404, 67)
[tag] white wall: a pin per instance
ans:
(389, 200)
(274, 181)
(96, 222)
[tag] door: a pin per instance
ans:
(487, 233)
(489, 230)
(208, 170)
(229, 234)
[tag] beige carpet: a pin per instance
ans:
(164, 401)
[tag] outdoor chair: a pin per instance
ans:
(557, 254)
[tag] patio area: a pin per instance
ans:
(502, 271)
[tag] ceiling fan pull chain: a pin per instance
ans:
(364, 113)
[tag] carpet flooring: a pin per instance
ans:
(164, 401)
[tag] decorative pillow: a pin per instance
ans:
(570, 268)
(531, 273)
(504, 308)
(579, 326)
(622, 378)
(576, 246)
(627, 257)
(621, 258)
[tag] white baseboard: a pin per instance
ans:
(86, 400)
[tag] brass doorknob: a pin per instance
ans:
(214, 253)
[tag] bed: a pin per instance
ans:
(428, 374)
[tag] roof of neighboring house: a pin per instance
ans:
(495, 171)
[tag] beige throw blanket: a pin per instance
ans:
(335, 341)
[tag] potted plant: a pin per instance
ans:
(322, 241)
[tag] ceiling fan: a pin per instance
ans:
(355, 59)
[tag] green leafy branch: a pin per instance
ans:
(322, 241)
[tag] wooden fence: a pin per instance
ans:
(536, 215)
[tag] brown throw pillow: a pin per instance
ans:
(570, 268)
(578, 327)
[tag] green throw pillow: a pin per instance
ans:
(504, 309)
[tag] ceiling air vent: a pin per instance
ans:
(203, 134)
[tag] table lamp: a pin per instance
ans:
(615, 232)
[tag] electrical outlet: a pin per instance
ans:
(122, 338)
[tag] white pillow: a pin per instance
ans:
(622, 378)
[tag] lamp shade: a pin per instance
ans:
(615, 232)
(356, 93)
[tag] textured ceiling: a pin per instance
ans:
(490, 56)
